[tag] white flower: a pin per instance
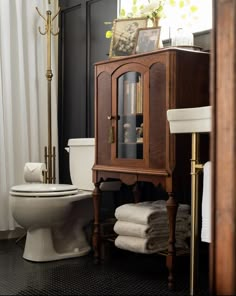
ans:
(151, 7)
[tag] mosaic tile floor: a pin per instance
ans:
(124, 274)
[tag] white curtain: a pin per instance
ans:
(23, 94)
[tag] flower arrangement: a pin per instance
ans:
(153, 11)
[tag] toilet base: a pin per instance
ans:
(39, 247)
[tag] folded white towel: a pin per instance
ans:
(133, 229)
(206, 203)
(146, 231)
(145, 246)
(163, 220)
(142, 213)
(182, 208)
(146, 212)
(138, 245)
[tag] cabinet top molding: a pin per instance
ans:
(159, 51)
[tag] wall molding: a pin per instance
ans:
(12, 234)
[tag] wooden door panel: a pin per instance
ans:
(223, 255)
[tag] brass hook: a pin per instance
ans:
(40, 13)
(46, 27)
(56, 33)
(56, 14)
(42, 33)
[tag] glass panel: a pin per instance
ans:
(130, 116)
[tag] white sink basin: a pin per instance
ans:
(190, 120)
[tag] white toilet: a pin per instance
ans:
(54, 214)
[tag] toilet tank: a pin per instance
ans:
(81, 158)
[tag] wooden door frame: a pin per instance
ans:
(223, 149)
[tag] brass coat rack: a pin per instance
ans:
(49, 151)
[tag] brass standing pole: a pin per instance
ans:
(196, 167)
(49, 151)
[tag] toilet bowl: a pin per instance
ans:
(54, 215)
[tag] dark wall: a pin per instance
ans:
(82, 42)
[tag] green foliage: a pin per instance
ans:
(193, 8)
(108, 34)
(122, 12)
(186, 7)
(183, 4)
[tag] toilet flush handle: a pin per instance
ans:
(67, 149)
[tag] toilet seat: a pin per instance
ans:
(44, 190)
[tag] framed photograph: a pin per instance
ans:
(147, 39)
(124, 34)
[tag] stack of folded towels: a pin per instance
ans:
(143, 227)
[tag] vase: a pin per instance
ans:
(155, 21)
(182, 37)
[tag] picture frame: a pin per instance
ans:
(124, 34)
(147, 39)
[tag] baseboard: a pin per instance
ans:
(11, 234)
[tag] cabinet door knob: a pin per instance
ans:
(110, 117)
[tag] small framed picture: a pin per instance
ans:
(147, 39)
(124, 34)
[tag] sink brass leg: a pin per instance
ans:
(195, 169)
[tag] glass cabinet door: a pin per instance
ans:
(130, 116)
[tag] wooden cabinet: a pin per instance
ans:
(133, 142)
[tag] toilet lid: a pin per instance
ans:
(46, 190)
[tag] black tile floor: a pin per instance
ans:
(125, 273)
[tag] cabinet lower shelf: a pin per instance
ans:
(179, 252)
(108, 236)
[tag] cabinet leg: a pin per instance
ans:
(172, 207)
(137, 192)
(96, 230)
